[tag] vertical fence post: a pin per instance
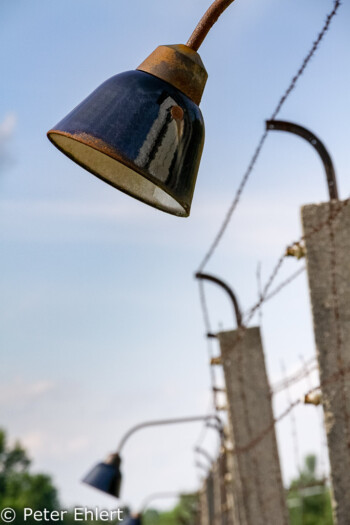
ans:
(218, 510)
(257, 474)
(227, 497)
(210, 497)
(203, 505)
(235, 507)
(327, 240)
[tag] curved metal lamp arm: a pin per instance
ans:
(207, 22)
(281, 125)
(161, 422)
(219, 282)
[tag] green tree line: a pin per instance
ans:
(308, 496)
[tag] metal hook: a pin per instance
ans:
(281, 125)
(213, 279)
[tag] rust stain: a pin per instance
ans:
(177, 113)
(180, 66)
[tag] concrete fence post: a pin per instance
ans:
(257, 482)
(203, 505)
(217, 493)
(327, 240)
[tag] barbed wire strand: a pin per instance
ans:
(285, 283)
(339, 375)
(293, 421)
(250, 313)
(297, 376)
(259, 286)
(263, 138)
(331, 379)
(264, 295)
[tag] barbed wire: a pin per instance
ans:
(263, 138)
(285, 283)
(259, 286)
(264, 296)
(297, 376)
(336, 208)
(333, 378)
(278, 265)
(263, 292)
(293, 422)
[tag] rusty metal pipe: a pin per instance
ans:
(206, 23)
(222, 284)
(281, 125)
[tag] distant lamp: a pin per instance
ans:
(142, 131)
(133, 520)
(106, 476)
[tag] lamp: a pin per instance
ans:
(133, 520)
(142, 131)
(106, 476)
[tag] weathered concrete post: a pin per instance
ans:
(217, 494)
(227, 498)
(203, 505)
(210, 497)
(257, 474)
(236, 511)
(327, 240)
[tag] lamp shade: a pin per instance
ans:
(106, 476)
(141, 134)
(133, 520)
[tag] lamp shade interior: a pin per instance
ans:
(117, 174)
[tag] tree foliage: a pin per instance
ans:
(309, 498)
(184, 513)
(20, 489)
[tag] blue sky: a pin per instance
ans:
(101, 324)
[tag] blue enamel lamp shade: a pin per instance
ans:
(139, 134)
(106, 476)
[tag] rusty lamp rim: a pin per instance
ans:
(96, 144)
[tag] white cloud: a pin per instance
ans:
(8, 126)
(20, 390)
(43, 444)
